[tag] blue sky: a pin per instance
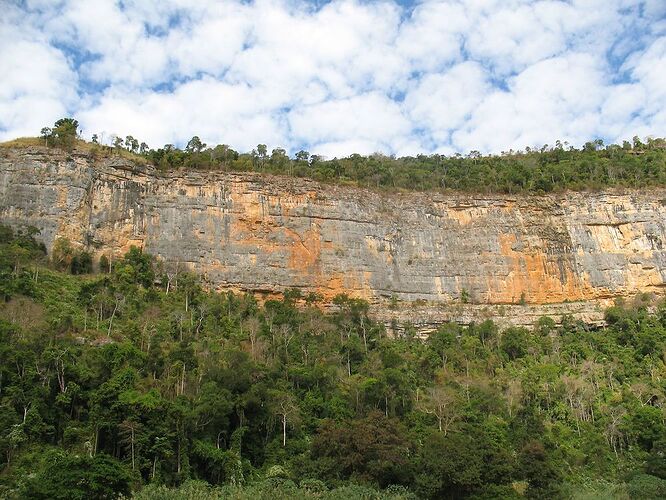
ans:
(338, 77)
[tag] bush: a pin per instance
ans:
(104, 264)
(63, 134)
(62, 254)
(646, 487)
(313, 486)
(81, 263)
(656, 462)
(73, 477)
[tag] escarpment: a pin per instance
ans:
(418, 257)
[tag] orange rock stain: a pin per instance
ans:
(536, 278)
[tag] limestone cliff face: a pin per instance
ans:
(556, 254)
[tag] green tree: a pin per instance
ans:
(373, 449)
(537, 468)
(62, 254)
(46, 134)
(194, 145)
(656, 462)
(79, 477)
(448, 466)
(81, 263)
(645, 426)
(64, 132)
(284, 406)
(303, 156)
(514, 342)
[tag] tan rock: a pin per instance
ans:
(515, 257)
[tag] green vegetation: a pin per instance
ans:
(550, 168)
(63, 133)
(137, 381)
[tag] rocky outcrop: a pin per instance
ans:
(417, 256)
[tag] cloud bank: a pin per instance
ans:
(341, 77)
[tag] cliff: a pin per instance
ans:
(412, 255)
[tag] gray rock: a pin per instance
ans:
(515, 257)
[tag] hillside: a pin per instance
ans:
(116, 383)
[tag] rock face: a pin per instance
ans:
(416, 256)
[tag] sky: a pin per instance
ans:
(341, 77)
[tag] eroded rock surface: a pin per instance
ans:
(514, 257)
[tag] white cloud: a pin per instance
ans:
(218, 112)
(371, 117)
(620, 106)
(432, 37)
(443, 102)
(338, 149)
(558, 98)
(345, 77)
(648, 114)
(37, 85)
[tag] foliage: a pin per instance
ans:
(372, 449)
(78, 477)
(63, 134)
(540, 170)
(132, 381)
(547, 169)
(268, 490)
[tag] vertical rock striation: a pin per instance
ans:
(515, 257)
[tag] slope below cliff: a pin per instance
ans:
(512, 258)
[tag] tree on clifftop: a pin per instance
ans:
(63, 134)
(195, 145)
(46, 134)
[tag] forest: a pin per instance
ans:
(123, 378)
(548, 168)
(543, 170)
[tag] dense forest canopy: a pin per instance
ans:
(133, 380)
(549, 168)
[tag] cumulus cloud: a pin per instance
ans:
(444, 102)
(340, 77)
(556, 98)
(37, 84)
(372, 118)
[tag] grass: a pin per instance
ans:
(81, 146)
(22, 142)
